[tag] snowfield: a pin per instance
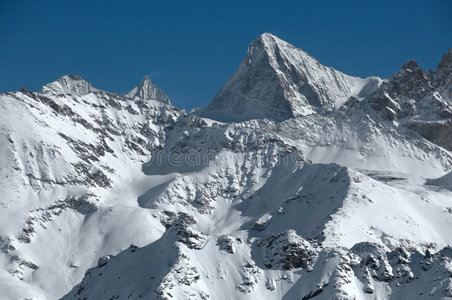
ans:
(296, 182)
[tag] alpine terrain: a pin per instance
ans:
(296, 182)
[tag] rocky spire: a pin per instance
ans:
(146, 90)
(410, 81)
(442, 77)
(446, 62)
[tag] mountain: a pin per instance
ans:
(70, 161)
(442, 77)
(68, 84)
(419, 101)
(333, 195)
(146, 90)
(278, 81)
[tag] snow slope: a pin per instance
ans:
(254, 240)
(66, 155)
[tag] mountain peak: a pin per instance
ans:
(409, 71)
(278, 81)
(268, 39)
(446, 61)
(442, 77)
(411, 65)
(72, 77)
(146, 90)
(267, 35)
(411, 81)
(146, 79)
(271, 45)
(68, 84)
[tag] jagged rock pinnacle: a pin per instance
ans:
(146, 90)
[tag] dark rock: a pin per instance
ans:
(103, 260)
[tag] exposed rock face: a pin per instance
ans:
(278, 81)
(103, 260)
(68, 84)
(409, 93)
(182, 227)
(289, 251)
(442, 77)
(439, 133)
(146, 90)
(252, 275)
(228, 243)
(410, 82)
(419, 100)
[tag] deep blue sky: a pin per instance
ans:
(190, 48)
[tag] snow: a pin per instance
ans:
(110, 196)
(278, 81)
(147, 91)
(68, 84)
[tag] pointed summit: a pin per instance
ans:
(146, 90)
(442, 77)
(410, 81)
(269, 43)
(68, 84)
(446, 62)
(279, 81)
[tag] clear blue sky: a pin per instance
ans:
(190, 48)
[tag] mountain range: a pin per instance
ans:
(297, 181)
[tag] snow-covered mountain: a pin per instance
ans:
(325, 186)
(68, 84)
(419, 101)
(146, 90)
(278, 81)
